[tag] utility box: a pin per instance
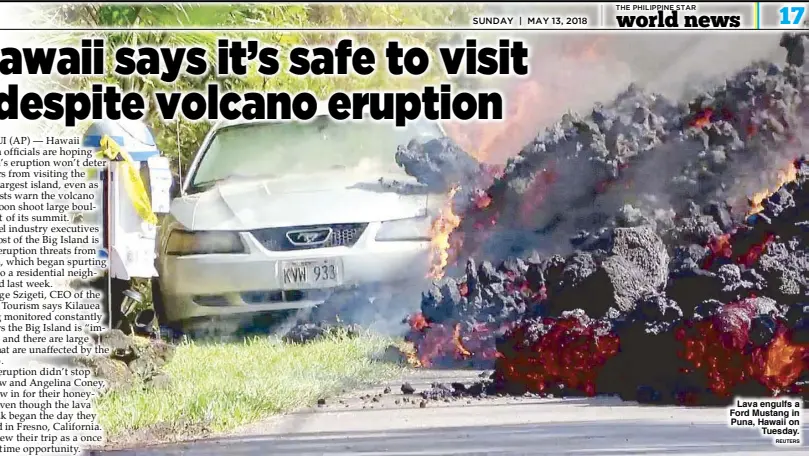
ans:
(128, 238)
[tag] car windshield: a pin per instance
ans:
(267, 150)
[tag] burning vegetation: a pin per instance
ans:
(622, 252)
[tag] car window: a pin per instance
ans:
(278, 149)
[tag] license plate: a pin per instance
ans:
(311, 274)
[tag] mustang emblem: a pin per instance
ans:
(315, 236)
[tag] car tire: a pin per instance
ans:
(172, 330)
(159, 306)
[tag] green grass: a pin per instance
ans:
(222, 386)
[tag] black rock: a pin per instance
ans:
(407, 388)
(762, 330)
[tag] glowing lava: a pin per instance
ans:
(714, 354)
(721, 246)
(435, 342)
(718, 349)
(744, 347)
(702, 119)
(570, 352)
(784, 362)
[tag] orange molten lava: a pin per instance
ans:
(436, 342)
(716, 348)
(750, 257)
(788, 174)
(482, 200)
(715, 355)
(571, 353)
(784, 363)
(440, 230)
(418, 322)
(702, 119)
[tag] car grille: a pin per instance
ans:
(275, 296)
(275, 239)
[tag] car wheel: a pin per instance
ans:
(159, 306)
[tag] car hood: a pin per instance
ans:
(297, 200)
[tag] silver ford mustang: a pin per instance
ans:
(278, 215)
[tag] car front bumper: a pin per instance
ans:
(228, 285)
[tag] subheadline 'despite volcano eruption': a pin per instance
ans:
(685, 269)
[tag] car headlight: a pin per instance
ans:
(203, 242)
(411, 229)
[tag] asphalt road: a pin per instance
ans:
(371, 423)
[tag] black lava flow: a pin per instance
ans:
(615, 238)
(634, 222)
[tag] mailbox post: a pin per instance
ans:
(136, 189)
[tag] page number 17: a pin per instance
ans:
(791, 15)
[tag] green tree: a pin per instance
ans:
(180, 140)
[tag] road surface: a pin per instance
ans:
(358, 424)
